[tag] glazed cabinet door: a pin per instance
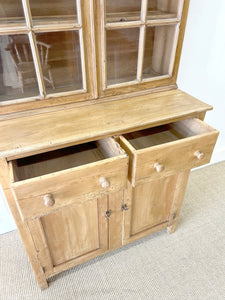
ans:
(71, 235)
(45, 51)
(137, 43)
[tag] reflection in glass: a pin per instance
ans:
(17, 72)
(123, 10)
(158, 9)
(54, 11)
(11, 11)
(61, 60)
(122, 54)
(159, 51)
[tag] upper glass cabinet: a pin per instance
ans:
(138, 42)
(41, 50)
(75, 50)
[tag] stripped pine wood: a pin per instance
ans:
(74, 195)
(28, 242)
(69, 186)
(109, 118)
(182, 179)
(167, 147)
(115, 202)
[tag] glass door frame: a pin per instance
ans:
(85, 27)
(143, 23)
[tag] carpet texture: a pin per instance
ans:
(189, 264)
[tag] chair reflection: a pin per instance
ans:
(22, 58)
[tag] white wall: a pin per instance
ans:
(6, 220)
(202, 67)
(202, 73)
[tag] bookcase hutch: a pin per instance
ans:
(97, 142)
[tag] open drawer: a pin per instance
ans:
(166, 149)
(45, 182)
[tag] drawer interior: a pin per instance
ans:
(167, 133)
(66, 158)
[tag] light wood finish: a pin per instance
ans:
(179, 192)
(176, 46)
(87, 44)
(32, 110)
(108, 118)
(151, 203)
(4, 174)
(41, 245)
(115, 222)
(64, 168)
(158, 167)
(160, 152)
(62, 242)
(72, 231)
(28, 242)
(49, 200)
(70, 186)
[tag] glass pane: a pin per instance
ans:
(159, 51)
(123, 10)
(122, 54)
(17, 73)
(162, 9)
(11, 11)
(56, 11)
(61, 60)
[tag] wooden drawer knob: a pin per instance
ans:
(49, 200)
(200, 155)
(159, 167)
(104, 182)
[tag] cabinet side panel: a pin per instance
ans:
(27, 241)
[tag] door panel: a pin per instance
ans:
(151, 203)
(72, 232)
(148, 207)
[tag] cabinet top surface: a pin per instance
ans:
(48, 131)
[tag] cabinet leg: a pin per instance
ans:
(27, 241)
(43, 284)
(172, 228)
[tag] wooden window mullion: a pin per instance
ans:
(34, 49)
(141, 48)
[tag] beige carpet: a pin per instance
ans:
(189, 264)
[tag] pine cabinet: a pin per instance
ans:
(97, 142)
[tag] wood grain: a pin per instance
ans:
(151, 203)
(77, 125)
(72, 231)
(70, 186)
(173, 148)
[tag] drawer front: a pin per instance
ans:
(168, 158)
(45, 194)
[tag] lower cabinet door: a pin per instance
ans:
(71, 235)
(148, 207)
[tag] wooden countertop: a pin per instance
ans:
(48, 131)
